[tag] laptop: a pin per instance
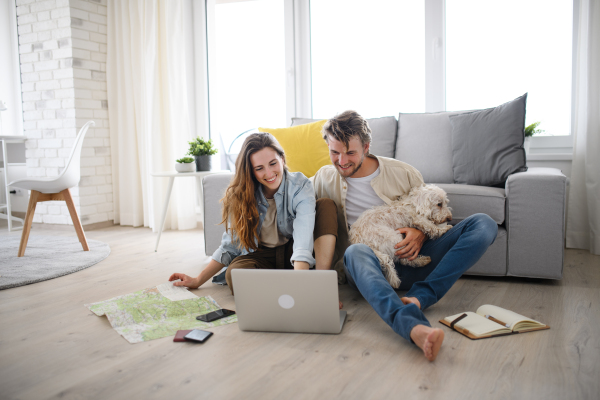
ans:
(287, 301)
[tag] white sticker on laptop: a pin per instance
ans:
(286, 301)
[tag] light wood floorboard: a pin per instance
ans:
(51, 346)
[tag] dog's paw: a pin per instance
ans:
(389, 269)
(391, 275)
(394, 280)
(420, 261)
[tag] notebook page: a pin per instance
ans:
(476, 324)
(510, 317)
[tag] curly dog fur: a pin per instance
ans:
(424, 208)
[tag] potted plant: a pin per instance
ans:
(530, 130)
(202, 151)
(185, 164)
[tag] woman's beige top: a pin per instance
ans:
(269, 234)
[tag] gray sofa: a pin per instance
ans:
(529, 209)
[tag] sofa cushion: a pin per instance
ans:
(425, 142)
(466, 200)
(383, 134)
(213, 190)
(487, 145)
(305, 150)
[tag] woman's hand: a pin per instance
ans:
(193, 283)
(186, 280)
(301, 265)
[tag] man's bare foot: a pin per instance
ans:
(428, 339)
(411, 300)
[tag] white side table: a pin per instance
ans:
(172, 175)
(5, 140)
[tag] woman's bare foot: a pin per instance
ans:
(411, 300)
(428, 339)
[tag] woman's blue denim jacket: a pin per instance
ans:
(295, 201)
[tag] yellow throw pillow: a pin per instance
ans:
(305, 149)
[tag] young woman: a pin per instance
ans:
(269, 216)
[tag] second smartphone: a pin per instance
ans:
(215, 315)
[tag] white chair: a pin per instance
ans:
(52, 189)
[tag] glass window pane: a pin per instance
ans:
(246, 67)
(368, 56)
(496, 51)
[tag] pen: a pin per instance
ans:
(497, 321)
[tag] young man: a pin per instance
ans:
(357, 181)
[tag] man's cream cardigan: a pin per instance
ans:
(395, 179)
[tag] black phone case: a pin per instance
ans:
(196, 340)
(199, 318)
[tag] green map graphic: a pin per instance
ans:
(147, 314)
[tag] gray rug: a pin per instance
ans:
(46, 257)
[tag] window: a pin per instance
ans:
(367, 56)
(525, 47)
(11, 119)
(246, 66)
(270, 60)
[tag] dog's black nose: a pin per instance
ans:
(449, 219)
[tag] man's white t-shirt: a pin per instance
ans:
(361, 196)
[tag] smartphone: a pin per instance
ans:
(215, 315)
(198, 336)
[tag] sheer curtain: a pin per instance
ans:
(148, 111)
(583, 217)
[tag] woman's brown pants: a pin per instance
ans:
(279, 257)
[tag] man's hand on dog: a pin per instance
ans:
(412, 243)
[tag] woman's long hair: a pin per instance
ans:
(240, 211)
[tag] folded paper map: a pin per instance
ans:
(148, 314)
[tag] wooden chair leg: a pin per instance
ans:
(76, 222)
(33, 199)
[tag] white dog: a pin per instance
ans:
(424, 207)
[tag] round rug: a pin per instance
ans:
(46, 257)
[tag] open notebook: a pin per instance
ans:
(490, 321)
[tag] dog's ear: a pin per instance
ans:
(423, 202)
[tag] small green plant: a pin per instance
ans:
(531, 130)
(200, 147)
(185, 160)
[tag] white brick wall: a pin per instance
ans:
(62, 46)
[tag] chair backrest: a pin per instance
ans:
(72, 173)
(230, 153)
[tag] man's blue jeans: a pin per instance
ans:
(451, 255)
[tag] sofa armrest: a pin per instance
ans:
(213, 190)
(535, 222)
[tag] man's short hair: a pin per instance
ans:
(346, 125)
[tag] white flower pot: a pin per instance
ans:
(526, 145)
(185, 167)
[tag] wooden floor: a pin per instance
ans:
(51, 346)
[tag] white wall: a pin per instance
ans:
(62, 46)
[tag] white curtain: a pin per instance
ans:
(583, 217)
(148, 111)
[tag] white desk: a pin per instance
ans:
(172, 175)
(5, 140)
